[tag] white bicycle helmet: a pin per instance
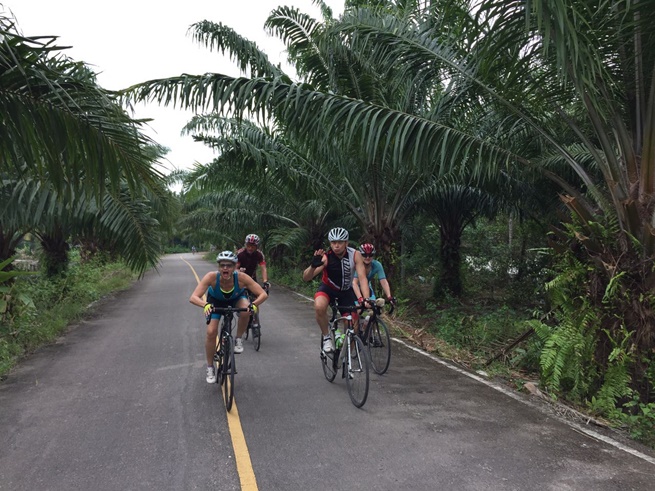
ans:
(338, 233)
(227, 256)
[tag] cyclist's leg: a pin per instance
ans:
(347, 298)
(321, 303)
(244, 317)
(322, 300)
(210, 341)
(365, 314)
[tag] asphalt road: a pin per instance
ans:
(121, 403)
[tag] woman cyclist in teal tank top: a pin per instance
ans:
(225, 287)
(222, 298)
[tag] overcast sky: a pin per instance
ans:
(131, 41)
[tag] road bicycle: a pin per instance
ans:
(254, 329)
(224, 364)
(376, 337)
(348, 353)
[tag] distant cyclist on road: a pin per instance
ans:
(225, 287)
(249, 257)
(338, 266)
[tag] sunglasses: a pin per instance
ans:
(367, 255)
(226, 265)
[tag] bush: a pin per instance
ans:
(54, 304)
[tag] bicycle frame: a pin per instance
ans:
(376, 311)
(224, 357)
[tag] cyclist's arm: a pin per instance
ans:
(262, 266)
(312, 271)
(197, 297)
(357, 288)
(360, 267)
(254, 287)
(385, 287)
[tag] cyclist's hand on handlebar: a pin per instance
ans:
(253, 308)
(208, 312)
(391, 299)
(266, 285)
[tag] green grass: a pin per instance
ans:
(292, 278)
(47, 307)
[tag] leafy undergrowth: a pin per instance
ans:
(481, 340)
(43, 308)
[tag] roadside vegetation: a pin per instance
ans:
(37, 309)
(499, 155)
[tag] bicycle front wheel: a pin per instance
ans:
(256, 331)
(257, 336)
(229, 368)
(378, 343)
(328, 362)
(356, 365)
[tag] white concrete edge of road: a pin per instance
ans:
(590, 433)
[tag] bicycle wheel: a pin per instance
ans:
(328, 363)
(229, 368)
(356, 367)
(378, 343)
(257, 336)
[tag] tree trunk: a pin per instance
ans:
(55, 253)
(451, 261)
(386, 243)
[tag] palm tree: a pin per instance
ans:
(454, 207)
(59, 124)
(547, 65)
(72, 158)
(124, 224)
(259, 179)
(379, 192)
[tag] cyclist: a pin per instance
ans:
(193, 249)
(338, 266)
(374, 268)
(225, 287)
(249, 257)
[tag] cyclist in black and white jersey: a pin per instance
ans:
(338, 266)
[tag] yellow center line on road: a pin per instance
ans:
(241, 453)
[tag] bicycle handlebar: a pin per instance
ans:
(228, 310)
(376, 304)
